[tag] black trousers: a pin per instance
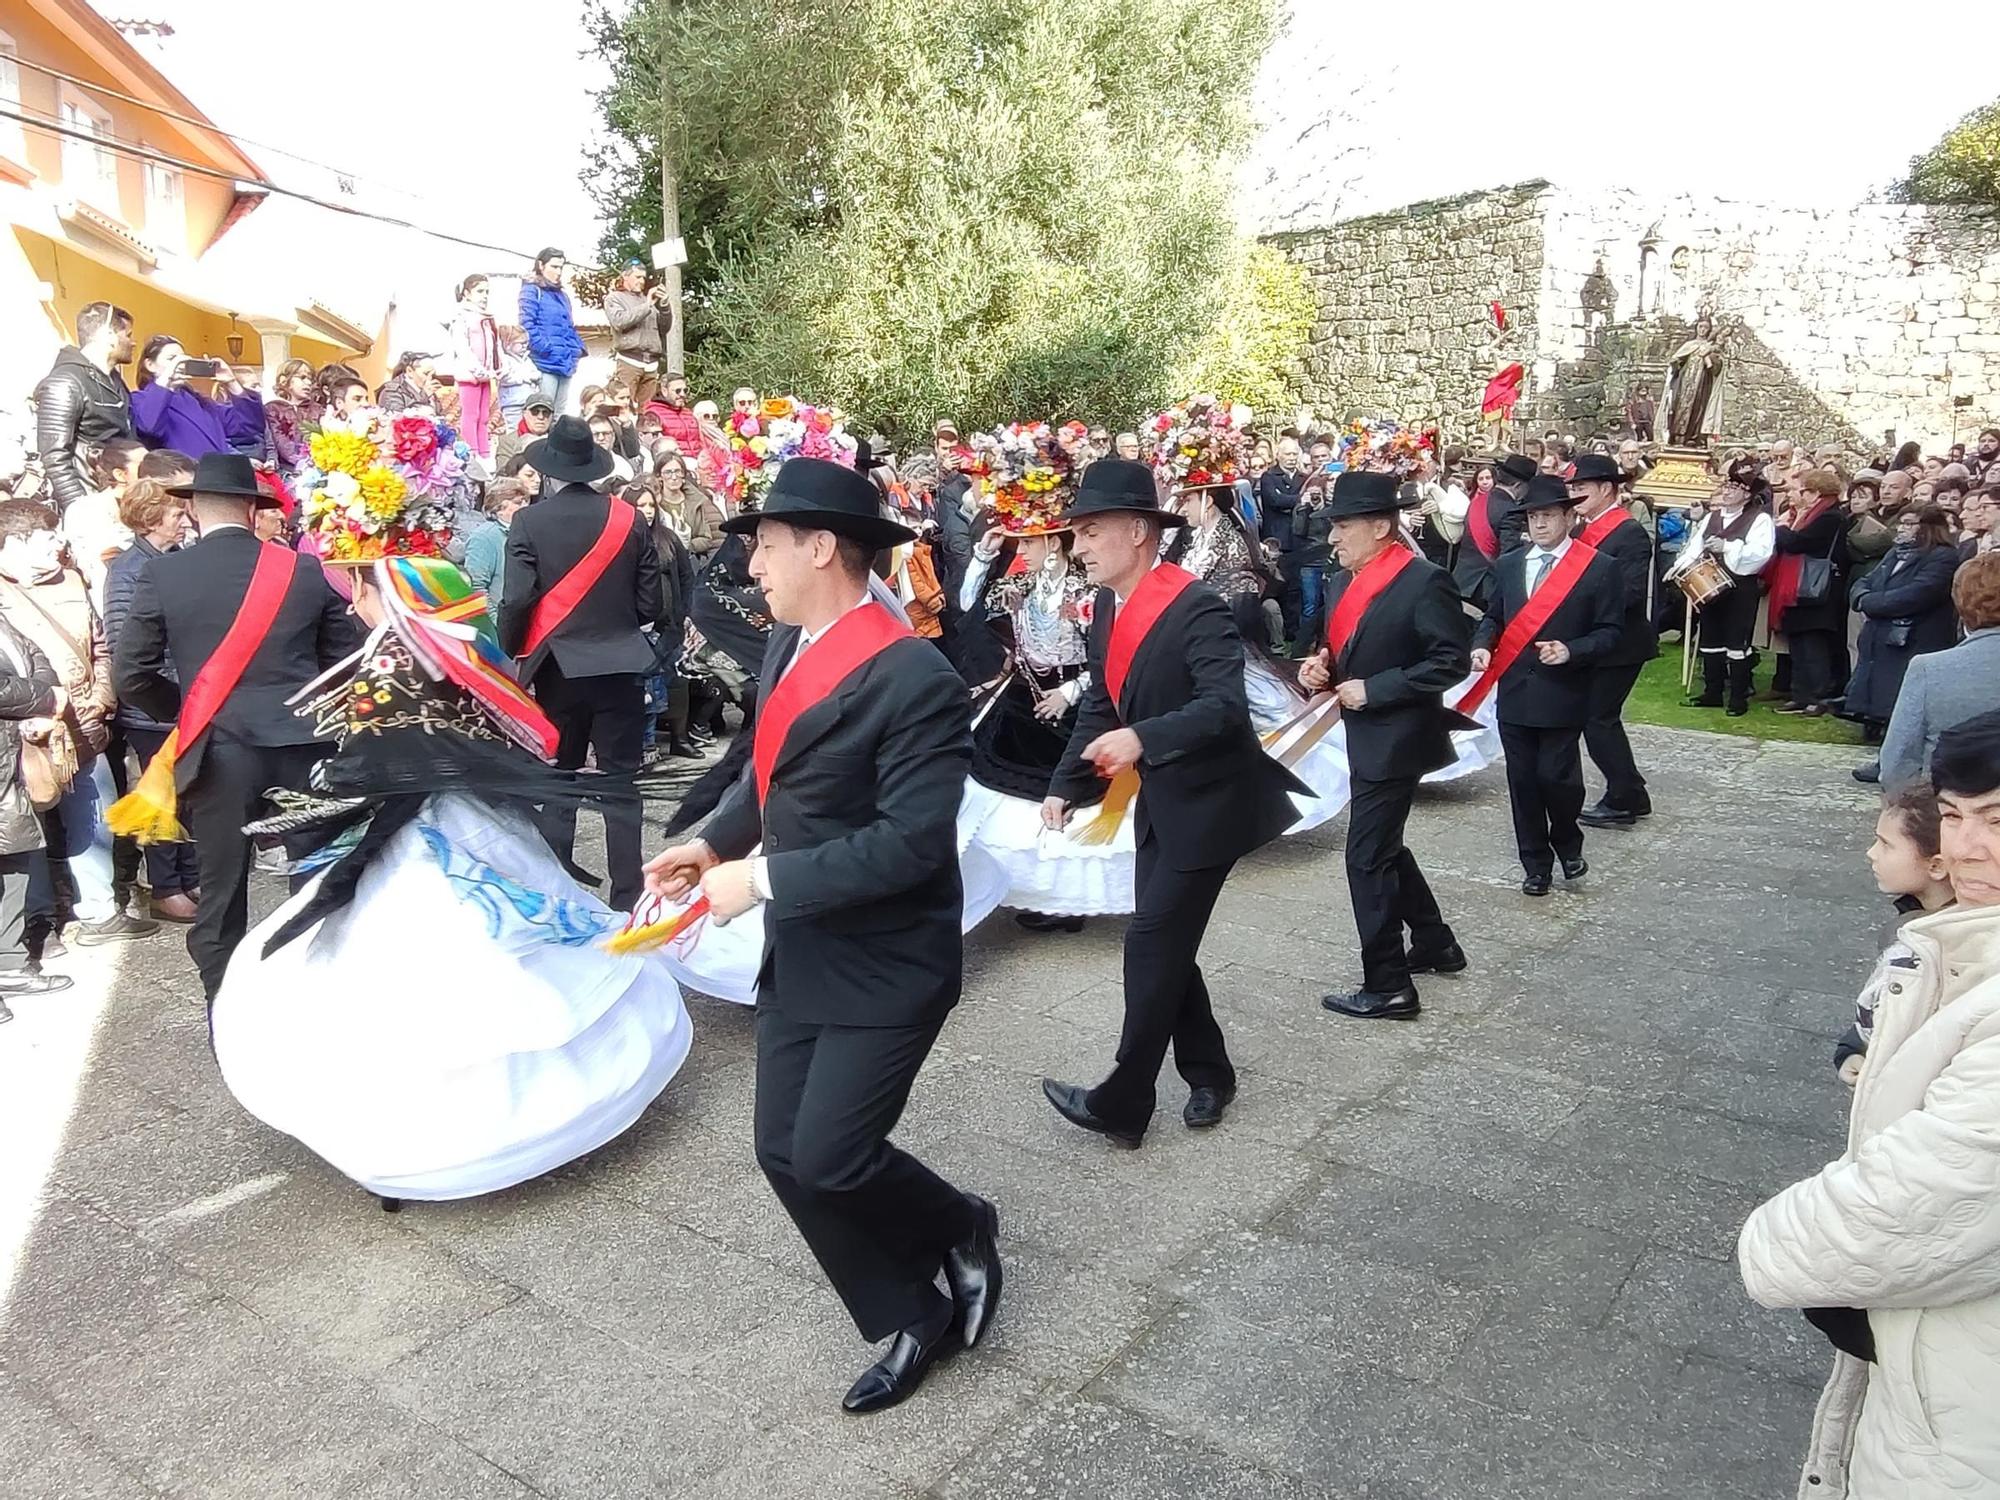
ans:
(605, 715)
(1166, 999)
(1819, 660)
(1388, 890)
(1545, 789)
(171, 869)
(878, 1220)
(227, 793)
(1604, 737)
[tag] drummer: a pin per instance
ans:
(1738, 536)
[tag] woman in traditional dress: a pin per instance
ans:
(1040, 601)
(435, 1013)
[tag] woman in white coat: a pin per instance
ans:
(1895, 1247)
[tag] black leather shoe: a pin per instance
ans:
(1535, 885)
(1205, 1106)
(1603, 815)
(1373, 1005)
(1870, 774)
(1041, 921)
(1449, 959)
(1070, 1102)
(894, 1378)
(1575, 869)
(683, 749)
(973, 1270)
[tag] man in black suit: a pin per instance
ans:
(183, 606)
(1604, 525)
(581, 583)
(1166, 704)
(1495, 533)
(862, 746)
(1390, 655)
(1545, 688)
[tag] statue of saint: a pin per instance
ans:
(1694, 388)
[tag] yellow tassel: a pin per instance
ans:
(651, 935)
(150, 811)
(1103, 828)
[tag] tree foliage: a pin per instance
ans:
(1253, 352)
(987, 208)
(1963, 167)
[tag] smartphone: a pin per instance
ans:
(201, 369)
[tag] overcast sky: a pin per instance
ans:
(1731, 98)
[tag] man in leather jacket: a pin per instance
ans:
(82, 402)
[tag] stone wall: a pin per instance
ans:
(1403, 325)
(1840, 325)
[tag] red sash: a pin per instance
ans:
(850, 643)
(1524, 627)
(1481, 526)
(1595, 532)
(555, 606)
(270, 581)
(1363, 589)
(1142, 611)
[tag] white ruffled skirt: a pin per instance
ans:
(457, 1028)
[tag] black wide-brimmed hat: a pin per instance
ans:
(820, 495)
(569, 453)
(1361, 492)
(1114, 484)
(230, 474)
(1596, 468)
(1517, 467)
(1545, 490)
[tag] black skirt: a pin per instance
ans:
(1730, 620)
(1015, 753)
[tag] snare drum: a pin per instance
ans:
(1704, 579)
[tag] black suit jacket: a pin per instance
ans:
(1471, 569)
(1412, 644)
(861, 839)
(183, 603)
(603, 636)
(1589, 621)
(1219, 795)
(1631, 552)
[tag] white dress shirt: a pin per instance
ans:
(1538, 569)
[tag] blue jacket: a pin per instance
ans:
(553, 342)
(120, 578)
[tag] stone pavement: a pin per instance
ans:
(1486, 1254)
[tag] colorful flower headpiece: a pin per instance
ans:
(1202, 441)
(1026, 467)
(782, 427)
(381, 485)
(1382, 444)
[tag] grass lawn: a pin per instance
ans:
(1657, 699)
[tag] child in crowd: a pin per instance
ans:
(1907, 866)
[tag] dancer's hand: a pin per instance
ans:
(1552, 653)
(672, 873)
(1316, 672)
(1055, 813)
(1353, 693)
(1481, 659)
(730, 889)
(1114, 751)
(1051, 706)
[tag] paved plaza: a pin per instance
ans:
(1490, 1253)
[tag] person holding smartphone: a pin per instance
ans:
(194, 406)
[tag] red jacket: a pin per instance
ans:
(678, 423)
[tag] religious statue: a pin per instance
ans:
(1693, 398)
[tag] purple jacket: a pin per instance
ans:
(192, 424)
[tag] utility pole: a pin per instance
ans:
(670, 211)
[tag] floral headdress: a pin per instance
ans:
(1384, 445)
(381, 485)
(1028, 469)
(1202, 441)
(782, 427)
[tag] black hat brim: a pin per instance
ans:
(226, 491)
(871, 531)
(1085, 508)
(544, 462)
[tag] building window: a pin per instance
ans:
(91, 172)
(11, 139)
(166, 218)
